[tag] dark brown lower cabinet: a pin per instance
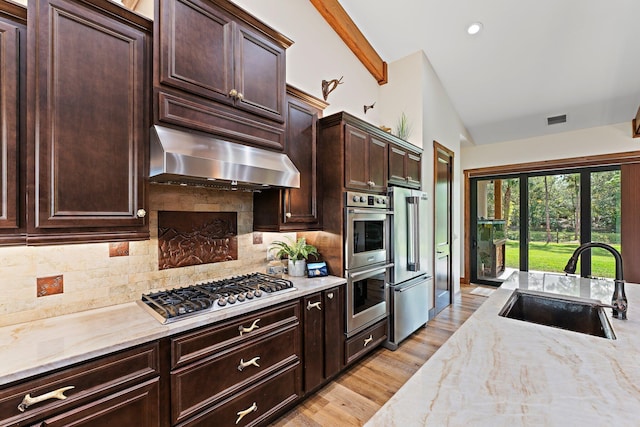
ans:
(323, 336)
(256, 404)
(239, 372)
(108, 391)
(362, 343)
(138, 404)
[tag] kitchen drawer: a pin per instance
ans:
(91, 380)
(139, 403)
(214, 378)
(196, 345)
(359, 345)
(261, 401)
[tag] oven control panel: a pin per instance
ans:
(364, 200)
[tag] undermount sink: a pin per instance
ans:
(581, 315)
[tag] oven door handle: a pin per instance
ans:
(371, 270)
(370, 211)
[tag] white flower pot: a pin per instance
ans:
(298, 268)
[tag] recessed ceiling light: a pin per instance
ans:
(474, 28)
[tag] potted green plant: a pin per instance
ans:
(403, 128)
(297, 253)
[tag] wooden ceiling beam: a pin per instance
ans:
(343, 25)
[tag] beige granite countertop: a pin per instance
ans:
(32, 348)
(496, 371)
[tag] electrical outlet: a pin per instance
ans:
(270, 255)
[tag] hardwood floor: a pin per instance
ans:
(358, 393)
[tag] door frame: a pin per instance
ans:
(437, 147)
(568, 163)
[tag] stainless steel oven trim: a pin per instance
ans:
(366, 318)
(372, 257)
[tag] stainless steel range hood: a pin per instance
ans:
(186, 158)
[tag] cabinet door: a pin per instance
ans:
(377, 165)
(414, 170)
(301, 204)
(260, 74)
(313, 341)
(139, 404)
(356, 158)
(89, 122)
(12, 43)
(334, 327)
(196, 48)
(397, 165)
(404, 167)
(208, 52)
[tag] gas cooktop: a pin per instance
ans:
(175, 304)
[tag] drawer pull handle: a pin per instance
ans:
(249, 410)
(56, 394)
(314, 305)
(253, 326)
(244, 364)
(368, 340)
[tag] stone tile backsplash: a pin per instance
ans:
(94, 279)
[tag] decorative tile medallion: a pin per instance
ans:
(193, 238)
(118, 249)
(49, 285)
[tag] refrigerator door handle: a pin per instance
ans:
(413, 250)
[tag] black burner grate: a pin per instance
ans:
(179, 302)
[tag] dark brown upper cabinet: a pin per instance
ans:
(13, 36)
(365, 160)
(215, 51)
(88, 119)
(295, 209)
(356, 155)
(405, 166)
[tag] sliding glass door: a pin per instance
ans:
(554, 211)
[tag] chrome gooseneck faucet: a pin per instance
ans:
(619, 299)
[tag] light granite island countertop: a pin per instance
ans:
(496, 371)
(36, 347)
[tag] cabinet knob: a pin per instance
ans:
(233, 93)
(330, 295)
(251, 362)
(368, 340)
(288, 214)
(313, 305)
(141, 213)
(253, 326)
(250, 409)
(56, 394)
(408, 178)
(371, 183)
(240, 96)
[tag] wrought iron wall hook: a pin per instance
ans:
(330, 86)
(368, 107)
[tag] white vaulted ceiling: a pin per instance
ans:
(533, 59)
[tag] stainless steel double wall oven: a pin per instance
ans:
(367, 255)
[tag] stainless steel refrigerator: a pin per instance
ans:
(409, 282)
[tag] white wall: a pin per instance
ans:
(585, 142)
(317, 54)
(415, 88)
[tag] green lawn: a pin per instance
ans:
(552, 257)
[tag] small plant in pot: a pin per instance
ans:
(297, 252)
